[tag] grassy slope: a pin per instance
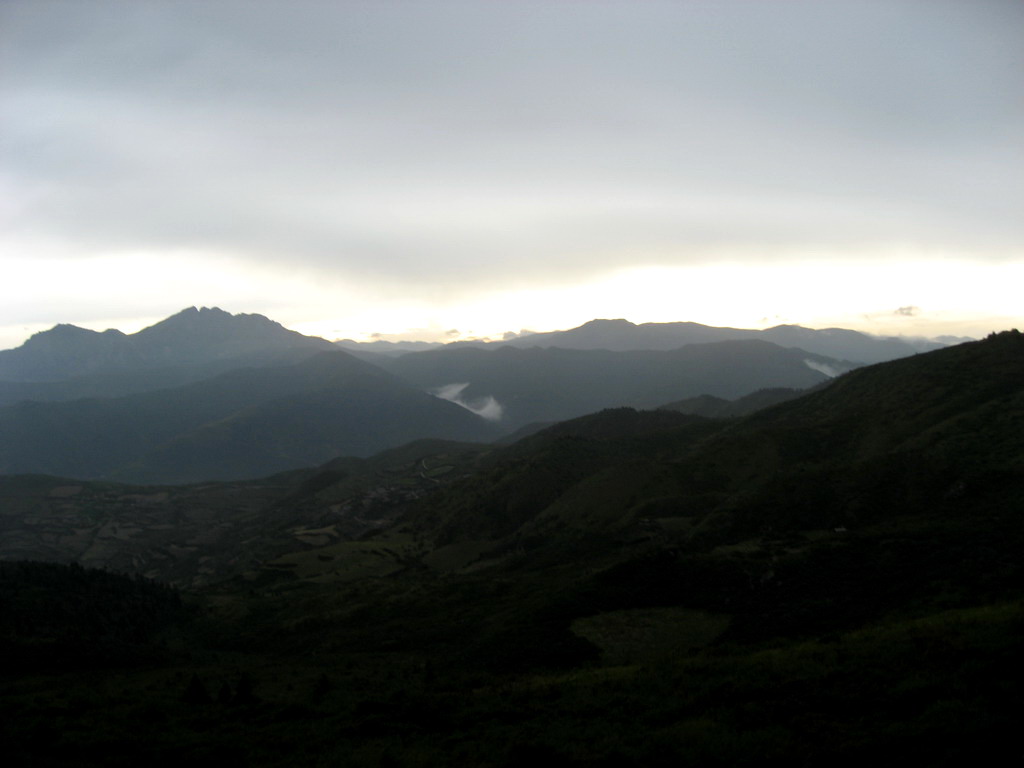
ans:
(651, 592)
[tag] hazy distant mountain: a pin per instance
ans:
(206, 394)
(552, 384)
(244, 423)
(207, 340)
(922, 344)
(386, 348)
(622, 335)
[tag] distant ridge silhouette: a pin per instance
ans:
(190, 337)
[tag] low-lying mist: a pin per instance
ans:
(486, 407)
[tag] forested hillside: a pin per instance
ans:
(834, 579)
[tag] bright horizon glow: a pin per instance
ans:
(888, 297)
(459, 169)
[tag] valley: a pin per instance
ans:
(768, 578)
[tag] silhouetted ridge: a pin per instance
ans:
(622, 335)
(192, 337)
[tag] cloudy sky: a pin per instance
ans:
(413, 169)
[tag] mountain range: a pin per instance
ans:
(69, 363)
(552, 384)
(622, 336)
(914, 436)
(831, 579)
(247, 422)
(206, 395)
(206, 340)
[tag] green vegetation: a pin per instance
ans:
(831, 581)
(59, 618)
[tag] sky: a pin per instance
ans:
(439, 170)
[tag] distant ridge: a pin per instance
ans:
(621, 335)
(543, 384)
(217, 340)
(194, 336)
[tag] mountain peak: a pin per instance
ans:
(65, 333)
(192, 315)
(61, 330)
(212, 332)
(212, 320)
(195, 335)
(605, 324)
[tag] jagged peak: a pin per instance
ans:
(194, 313)
(192, 318)
(59, 332)
(65, 328)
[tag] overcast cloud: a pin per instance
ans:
(451, 147)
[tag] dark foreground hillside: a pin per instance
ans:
(832, 581)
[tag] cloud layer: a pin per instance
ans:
(442, 148)
(485, 407)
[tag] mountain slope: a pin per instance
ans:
(830, 581)
(551, 384)
(243, 423)
(622, 335)
(194, 535)
(362, 417)
(937, 432)
(207, 340)
(717, 407)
